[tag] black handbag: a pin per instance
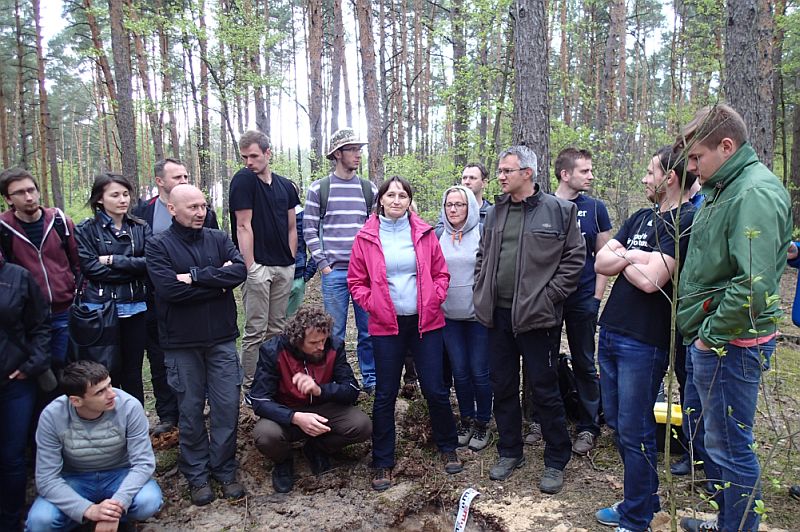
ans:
(95, 333)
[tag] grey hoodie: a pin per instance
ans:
(460, 248)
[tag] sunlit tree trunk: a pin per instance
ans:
(126, 122)
(374, 124)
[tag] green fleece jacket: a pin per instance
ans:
(737, 253)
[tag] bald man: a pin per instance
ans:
(194, 270)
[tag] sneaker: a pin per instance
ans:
(233, 490)
(283, 476)
(452, 464)
(164, 427)
(552, 481)
(608, 516)
(535, 434)
(202, 494)
(247, 400)
(480, 437)
(505, 466)
(584, 443)
(381, 478)
(464, 432)
(690, 524)
(319, 461)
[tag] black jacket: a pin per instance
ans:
(24, 324)
(204, 312)
(276, 354)
(146, 208)
(126, 276)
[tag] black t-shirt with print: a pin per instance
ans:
(270, 205)
(630, 311)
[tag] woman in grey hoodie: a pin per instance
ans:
(466, 340)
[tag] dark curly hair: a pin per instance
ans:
(307, 317)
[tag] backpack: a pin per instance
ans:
(59, 224)
(325, 191)
(568, 385)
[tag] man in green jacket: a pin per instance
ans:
(728, 305)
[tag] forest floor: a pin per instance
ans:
(424, 498)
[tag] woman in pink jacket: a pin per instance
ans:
(398, 275)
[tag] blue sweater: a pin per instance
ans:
(401, 264)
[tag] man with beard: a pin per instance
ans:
(304, 389)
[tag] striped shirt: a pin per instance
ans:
(331, 242)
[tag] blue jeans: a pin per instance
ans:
(17, 400)
(630, 374)
(197, 373)
(694, 426)
(59, 338)
(336, 298)
(390, 353)
(728, 390)
(97, 487)
(467, 344)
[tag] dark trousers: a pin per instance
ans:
(132, 339)
(348, 425)
(539, 350)
(390, 353)
(166, 402)
(581, 322)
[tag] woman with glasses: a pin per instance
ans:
(111, 249)
(466, 340)
(398, 274)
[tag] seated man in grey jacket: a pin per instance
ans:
(94, 460)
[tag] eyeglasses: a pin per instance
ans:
(457, 205)
(352, 148)
(507, 171)
(24, 192)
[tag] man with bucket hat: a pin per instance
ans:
(336, 207)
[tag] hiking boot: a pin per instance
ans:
(319, 461)
(552, 481)
(233, 490)
(584, 443)
(165, 426)
(505, 466)
(683, 466)
(608, 516)
(464, 432)
(535, 434)
(283, 476)
(202, 494)
(690, 524)
(452, 464)
(794, 492)
(480, 437)
(381, 478)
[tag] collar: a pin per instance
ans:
(186, 233)
(731, 169)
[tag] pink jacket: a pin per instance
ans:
(366, 278)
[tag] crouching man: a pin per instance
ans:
(305, 389)
(94, 460)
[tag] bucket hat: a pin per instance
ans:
(342, 138)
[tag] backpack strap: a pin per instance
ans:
(324, 192)
(369, 197)
(5, 244)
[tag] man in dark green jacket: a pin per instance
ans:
(728, 306)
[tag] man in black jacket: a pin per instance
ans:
(194, 270)
(304, 389)
(169, 173)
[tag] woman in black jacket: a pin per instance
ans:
(24, 355)
(111, 248)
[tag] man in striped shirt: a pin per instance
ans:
(336, 208)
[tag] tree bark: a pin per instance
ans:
(337, 60)
(315, 81)
(531, 124)
(49, 142)
(4, 147)
(748, 64)
(460, 95)
(374, 125)
(21, 114)
(126, 122)
(204, 149)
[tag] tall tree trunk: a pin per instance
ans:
(794, 171)
(167, 94)
(97, 42)
(531, 125)
(151, 105)
(44, 113)
(126, 122)
(267, 63)
(315, 81)
(374, 125)
(22, 116)
(204, 151)
(461, 114)
(337, 59)
(4, 147)
(748, 65)
(564, 62)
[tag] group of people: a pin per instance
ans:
(471, 301)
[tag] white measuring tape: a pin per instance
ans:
(463, 509)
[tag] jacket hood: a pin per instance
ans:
(473, 211)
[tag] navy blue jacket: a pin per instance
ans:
(303, 266)
(146, 209)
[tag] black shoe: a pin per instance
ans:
(233, 490)
(166, 425)
(452, 464)
(794, 492)
(552, 481)
(202, 494)
(319, 461)
(683, 466)
(505, 466)
(283, 476)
